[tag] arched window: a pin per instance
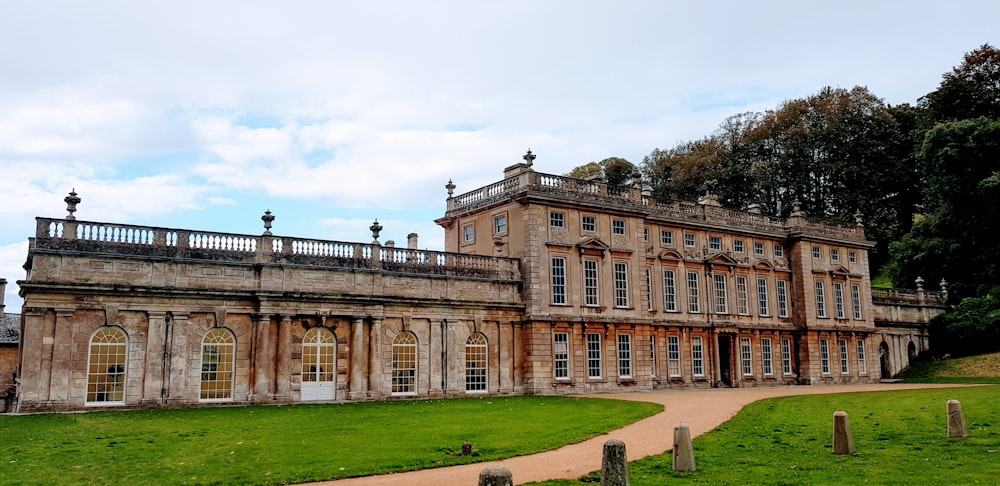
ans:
(404, 364)
(106, 366)
(318, 364)
(475, 363)
(218, 359)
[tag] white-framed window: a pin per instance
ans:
(746, 357)
(624, 355)
(697, 356)
(590, 283)
(715, 243)
(742, 296)
(649, 288)
(621, 284)
(557, 219)
(820, 300)
(218, 362)
(500, 224)
(782, 298)
(588, 224)
(645, 233)
(468, 233)
(824, 355)
(560, 355)
(669, 291)
(852, 257)
(475, 364)
(838, 299)
(762, 301)
(673, 355)
(738, 246)
(689, 240)
(106, 362)
(835, 255)
(666, 237)
(758, 249)
(618, 226)
(319, 356)
(404, 364)
(694, 302)
(721, 294)
(862, 364)
(786, 356)
(594, 366)
(766, 356)
(559, 280)
(843, 357)
(817, 253)
(856, 300)
(779, 251)
(652, 353)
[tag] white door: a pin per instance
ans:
(319, 361)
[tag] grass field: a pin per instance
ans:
(292, 444)
(971, 369)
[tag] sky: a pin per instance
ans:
(203, 114)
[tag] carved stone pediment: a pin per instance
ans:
(592, 246)
(670, 254)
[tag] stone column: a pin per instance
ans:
(32, 384)
(375, 364)
(156, 332)
(263, 359)
(176, 387)
(283, 375)
(517, 363)
(435, 369)
(359, 363)
(62, 355)
(505, 358)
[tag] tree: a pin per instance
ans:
(680, 173)
(972, 327)
(970, 90)
(615, 171)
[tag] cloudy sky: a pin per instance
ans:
(203, 115)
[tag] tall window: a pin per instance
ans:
(621, 284)
(404, 364)
(558, 280)
(218, 360)
(856, 300)
(762, 306)
(721, 294)
(589, 224)
(673, 356)
(475, 363)
(862, 364)
(625, 355)
(669, 291)
(820, 300)
(106, 366)
(782, 298)
(649, 288)
(838, 295)
(786, 356)
(843, 357)
(594, 368)
(590, 288)
(697, 356)
(693, 301)
(618, 226)
(742, 297)
(652, 353)
(560, 355)
(746, 357)
(766, 356)
(645, 233)
(824, 355)
(318, 355)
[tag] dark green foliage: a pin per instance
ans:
(617, 172)
(970, 90)
(972, 327)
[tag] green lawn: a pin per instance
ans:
(290, 444)
(900, 436)
(984, 368)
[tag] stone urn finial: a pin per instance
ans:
(858, 218)
(529, 158)
(71, 201)
(920, 283)
(376, 229)
(267, 218)
(450, 186)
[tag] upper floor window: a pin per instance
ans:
(782, 287)
(758, 249)
(645, 233)
(500, 224)
(762, 306)
(721, 294)
(835, 255)
(694, 306)
(856, 300)
(714, 243)
(621, 284)
(590, 287)
(618, 226)
(558, 280)
(820, 300)
(779, 251)
(557, 219)
(852, 257)
(468, 233)
(666, 237)
(817, 253)
(669, 291)
(738, 246)
(689, 240)
(742, 296)
(588, 224)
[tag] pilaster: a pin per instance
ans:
(153, 390)
(375, 380)
(284, 351)
(359, 364)
(178, 373)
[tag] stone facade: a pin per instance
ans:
(548, 285)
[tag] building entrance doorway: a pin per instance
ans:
(725, 360)
(883, 358)
(318, 365)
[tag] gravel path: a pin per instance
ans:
(701, 410)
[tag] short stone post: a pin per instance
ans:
(466, 448)
(956, 421)
(495, 476)
(843, 439)
(683, 451)
(614, 466)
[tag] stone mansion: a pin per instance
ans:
(548, 285)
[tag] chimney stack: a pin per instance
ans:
(411, 241)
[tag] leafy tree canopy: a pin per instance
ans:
(970, 90)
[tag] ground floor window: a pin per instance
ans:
(625, 355)
(594, 355)
(674, 355)
(862, 364)
(824, 355)
(404, 364)
(318, 355)
(844, 368)
(475, 363)
(786, 356)
(766, 358)
(218, 360)
(106, 366)
(560, 341)
(697, 356)
(746, 357)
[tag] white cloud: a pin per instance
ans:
(12, 258)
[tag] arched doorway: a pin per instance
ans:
(319, 358)
(883, 358)
(911, 353)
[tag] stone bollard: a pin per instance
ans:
(956, 421)
(843, 440)
(495, 476)
(683, 452)
(614, 466)
(466, 448)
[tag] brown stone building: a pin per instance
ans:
(548, 285)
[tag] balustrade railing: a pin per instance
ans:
(882, 295)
